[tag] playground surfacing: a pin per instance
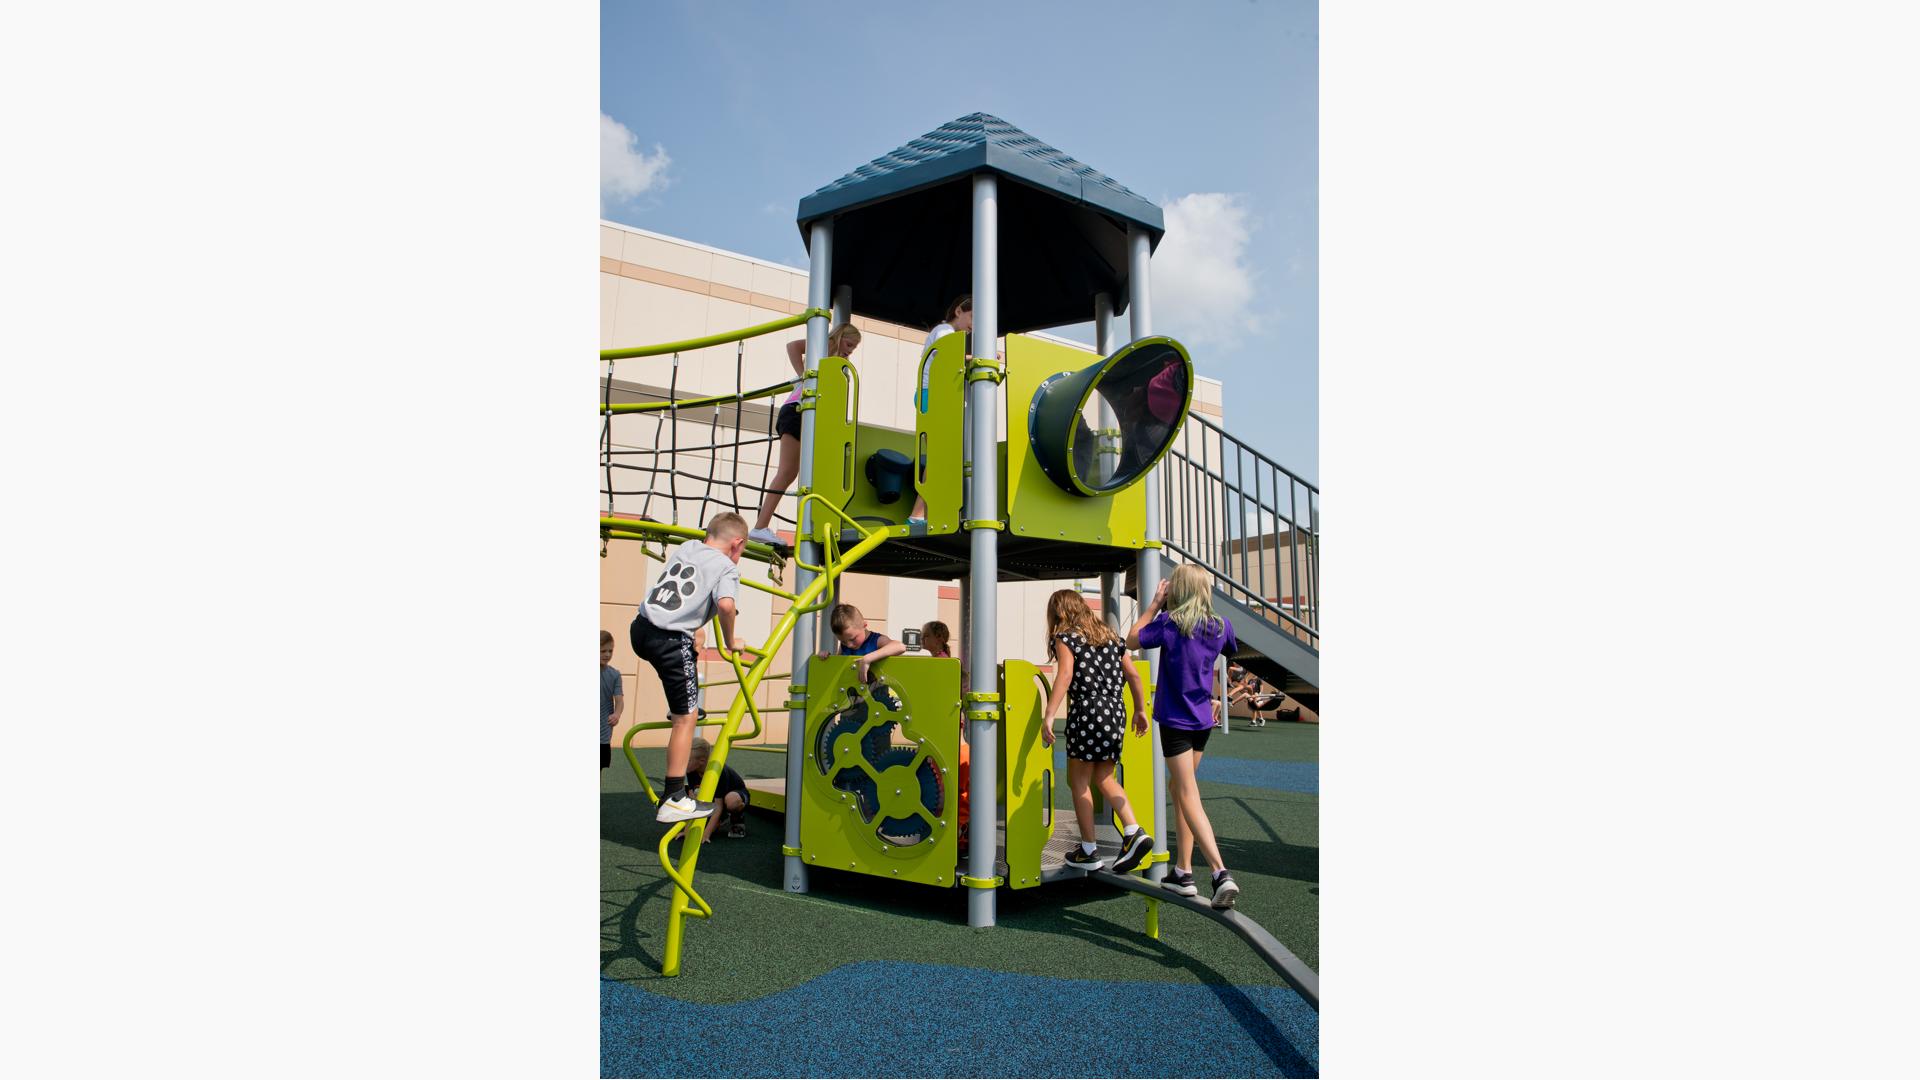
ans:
(863, 977)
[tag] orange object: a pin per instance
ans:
(966, 766)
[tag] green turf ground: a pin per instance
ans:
(762, 940)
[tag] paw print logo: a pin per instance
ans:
(674, 588)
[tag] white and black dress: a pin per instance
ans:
(1096, 713)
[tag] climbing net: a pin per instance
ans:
(668, 459)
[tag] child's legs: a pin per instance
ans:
(680, 743)
(1079, 776)
(1193, 816)
(783, 475)
(1184, 847)
(1111, 790)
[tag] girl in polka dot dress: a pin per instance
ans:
(1090, 668)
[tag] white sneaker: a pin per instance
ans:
(682, 807)
(764, 536)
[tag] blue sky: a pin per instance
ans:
(729, 113)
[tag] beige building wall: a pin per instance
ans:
(655, 288)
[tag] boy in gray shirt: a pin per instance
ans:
(699, 581)
(612, 701)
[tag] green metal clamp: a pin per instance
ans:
(989, 369)
(793, 851)
(981, 883)
(990, 714)
(984, 523)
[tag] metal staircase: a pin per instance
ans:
(1255, 526)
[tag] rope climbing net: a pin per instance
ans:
(649, 478)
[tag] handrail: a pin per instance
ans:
(618, 528)
(691, 344)
(624, 407)
(1303, 481)
(686, 901)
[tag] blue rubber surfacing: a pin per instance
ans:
(848, 1023)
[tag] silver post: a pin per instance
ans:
(1139, 253)
(982, 648)
(1103, 343)
(819, 274)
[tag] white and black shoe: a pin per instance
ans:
(765, 536)
(1177, 882)
(682, 807)
(1132, 850)
(1079, 857)
(1225, 892)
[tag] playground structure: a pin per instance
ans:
(1077, 487)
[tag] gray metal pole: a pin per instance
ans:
(819, 274)
(1139, 305)
(1103, 343)
(983, 423)
(842, 306)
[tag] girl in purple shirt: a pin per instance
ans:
(1180, 623)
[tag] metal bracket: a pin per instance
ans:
(990, 714)
(982, 883)
(793, 705)
(988, 523)
(985, 369)
(793, 851)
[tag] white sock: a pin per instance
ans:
(1182, 871)
(1131, 829)
(1088, 848)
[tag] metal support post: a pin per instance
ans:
(1147, 576)
(819, 275)
(1104, 344)
(982, 648)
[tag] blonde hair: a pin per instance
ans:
(937, 631)
(845, 334)
(726, 526)
(700, 746)
(1190, 600)
(1068, 613)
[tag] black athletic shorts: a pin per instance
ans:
(606, 755)
(672, 656)
(788, 422)
(1176, 741)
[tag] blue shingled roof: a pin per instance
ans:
(974, 143)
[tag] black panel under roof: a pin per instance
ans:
(903, 228)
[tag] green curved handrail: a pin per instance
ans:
(623, 407)
(691, 344)
(686, 901)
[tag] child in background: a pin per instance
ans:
(699, 581)
(938, 641)
(613, 702)
(841, 342)
(957, 320)
(1091, 668)
(1180, 622)
(730, 795)
(850, 630)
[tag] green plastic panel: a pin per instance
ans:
(1030, 781)
(939, 432)
(1136, 762)
(879, 792)
(1036, 506)
(835, 414)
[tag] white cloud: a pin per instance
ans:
(1202, 282)
(626, 171)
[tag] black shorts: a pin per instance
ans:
(673, 659)
(606, 755)
(788, 421)
(1176, 741)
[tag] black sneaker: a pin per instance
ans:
(1079, 857)
(737, 830)
(1132, 850)
(1225, 892)
(1180, 883)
